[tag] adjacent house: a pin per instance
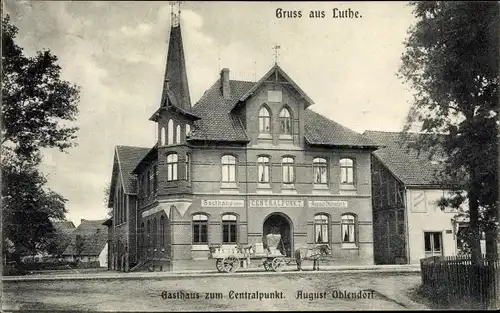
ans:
(64, 231)
(89, 243)
(248, 159)
(408, 223)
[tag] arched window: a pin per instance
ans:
(228, 164)
(321, 228)
(347, 171)
(162, 231)
(170, 132)
(263, 171)
(162, 136)
(285, 122)
(188, 167)
(178, 134)
(229, 228)
(264, 120)
(188, 130)
(155, 233)
(288, 170)
(348, 226)
(148, 233)
(172, 160)
(200, 229)
(320, 171)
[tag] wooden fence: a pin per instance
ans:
(455, 280)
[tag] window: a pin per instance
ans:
(148, 185)
(347, 171)
(321, 228)
(178, 134)
(288, 170)
(155, 233)
(151, 180)
(188, 130)
(162, 231)
(172, 167)
(264, 120)
(155, 179)
(228, 168)
(229, 229)
(285, 122)
(433, 244)
(170, 132)
(141, 242)
(320, 171)
(149, 233)
(188, 167)
(348, 226)
(263, 169)
(200, 229)
(162, 136)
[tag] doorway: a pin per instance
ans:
(279, 223)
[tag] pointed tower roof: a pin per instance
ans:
(176, 82)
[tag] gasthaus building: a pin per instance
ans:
(246, 160)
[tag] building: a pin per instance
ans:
(89, 243)
(64, 231)
(408, 225)
(246, 160)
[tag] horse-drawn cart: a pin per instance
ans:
(229, 260)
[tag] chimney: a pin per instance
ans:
(224, 80)
(167, 84)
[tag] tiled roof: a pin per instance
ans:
(64, 226)
(128, 158)
(407, 164)
(320, 130)
(94, 236)
(218, 124)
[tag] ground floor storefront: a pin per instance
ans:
(178, 234)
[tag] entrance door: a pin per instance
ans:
(433, 244)
(278, 223)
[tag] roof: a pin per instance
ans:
(217, 123)
(126, 159)
(93, 237)
(320, 130)
(407, 164)
(278, 71)
(64, 226)
(175, 72)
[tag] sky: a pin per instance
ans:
(116, 52)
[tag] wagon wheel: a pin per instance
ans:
(267, 265)
(230, 264)
(219, 265)
(278, 264)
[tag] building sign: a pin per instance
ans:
(223, 203)
(418, 201)
(277, 203)
(327, 204)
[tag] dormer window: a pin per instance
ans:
(264, 121)
(188, 130)
(285, 122)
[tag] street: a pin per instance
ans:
(285, 291)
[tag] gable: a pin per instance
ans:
(126, 159)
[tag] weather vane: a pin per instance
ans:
(276, 53)
(176, 16)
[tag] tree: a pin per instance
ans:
(37, 109)
(451, 61)
(36, 103)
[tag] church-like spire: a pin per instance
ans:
(176, 81)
